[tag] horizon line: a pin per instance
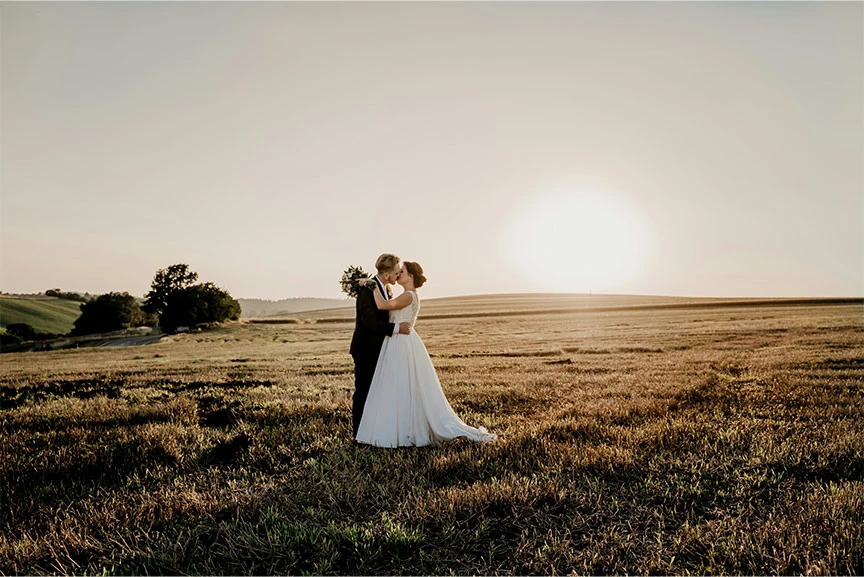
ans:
(499, 294)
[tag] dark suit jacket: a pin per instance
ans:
(370, 327)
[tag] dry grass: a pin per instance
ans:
(693, 441)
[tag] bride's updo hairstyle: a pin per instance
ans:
(415, 270)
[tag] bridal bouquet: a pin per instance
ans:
(349, 283)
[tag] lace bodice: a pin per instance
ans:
(409, 313)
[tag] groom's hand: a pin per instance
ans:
(404, 329)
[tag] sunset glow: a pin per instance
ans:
(646, 148)
(581, 241)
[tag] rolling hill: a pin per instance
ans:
(264, 308)
(503, 305)
(45, 314)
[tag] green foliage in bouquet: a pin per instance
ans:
(349, 280)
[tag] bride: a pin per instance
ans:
(406, 405)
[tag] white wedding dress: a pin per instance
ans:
(406, 405)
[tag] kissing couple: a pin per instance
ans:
(398, 399)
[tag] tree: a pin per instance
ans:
(198, 304)
(56, 292)
(7, 339)
(178, 302)
(167, 281)
(25, 332)
(109, 312)
(22, 330)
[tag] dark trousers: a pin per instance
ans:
(363, 373)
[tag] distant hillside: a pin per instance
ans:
(555, 303)
(45, 314)
(520, 302)
(264, 308)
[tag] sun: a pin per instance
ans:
(581, 241)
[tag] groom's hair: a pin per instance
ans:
(386, 262)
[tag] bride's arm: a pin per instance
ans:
(367, 313)
(399, 302)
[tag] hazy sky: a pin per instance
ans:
(699, 149)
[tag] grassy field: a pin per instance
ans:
(532, 304)
(46, 315)
(715, 440)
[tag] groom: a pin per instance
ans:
(370, 328)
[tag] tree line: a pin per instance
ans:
(175, 300)
(69, 296)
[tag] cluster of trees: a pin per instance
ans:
(56, 292)
(178, 302)
(174, 301)
(111, 312)
(18, 332)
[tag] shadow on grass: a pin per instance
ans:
(35, 392)
(640, 488)
(89, 464)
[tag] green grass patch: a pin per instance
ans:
(46, 316)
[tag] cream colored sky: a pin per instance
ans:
(711, 149)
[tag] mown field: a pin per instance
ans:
(716, 440)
